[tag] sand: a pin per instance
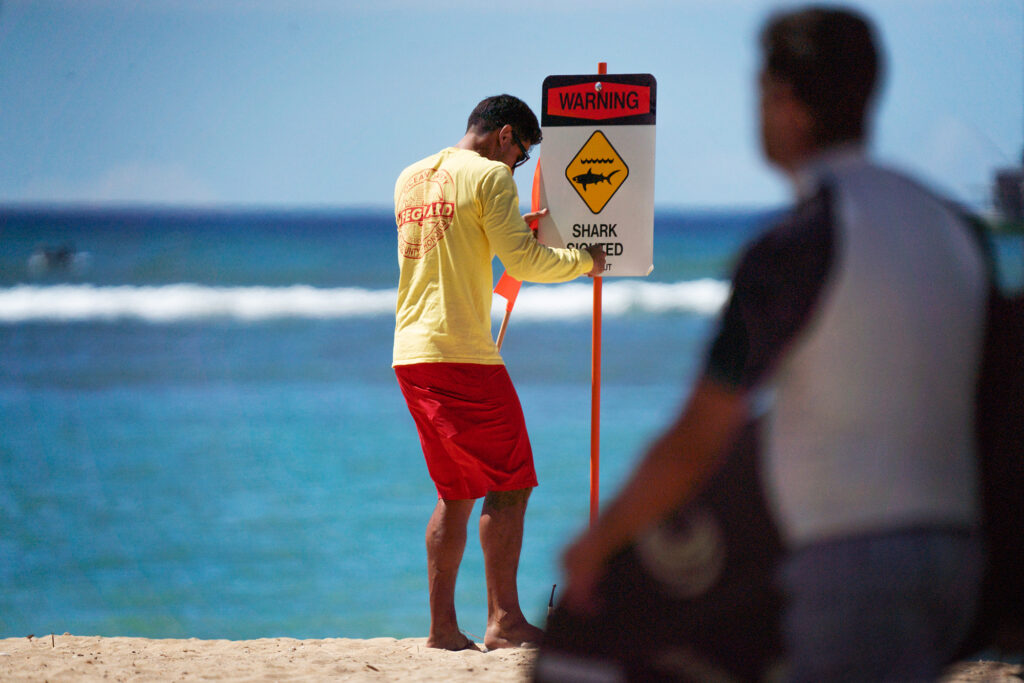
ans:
(92, 658)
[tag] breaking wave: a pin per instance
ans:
(187, 302)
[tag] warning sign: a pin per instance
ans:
(596, 188)
(597, 167)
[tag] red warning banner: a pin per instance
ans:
(610, 99)
(598, 101)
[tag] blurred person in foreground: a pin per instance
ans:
(860, 314)
(455, 211)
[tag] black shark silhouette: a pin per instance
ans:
(589, 178)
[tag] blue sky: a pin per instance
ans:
(311, 103)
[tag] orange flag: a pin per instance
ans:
(508, 287)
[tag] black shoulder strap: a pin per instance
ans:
(999, 422)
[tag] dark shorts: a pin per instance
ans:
(471, 428)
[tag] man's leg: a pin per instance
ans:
(501, 538)
(446, 541)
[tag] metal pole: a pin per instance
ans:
(595, 386)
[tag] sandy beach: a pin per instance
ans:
(93, 658)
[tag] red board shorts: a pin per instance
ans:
(471, 427)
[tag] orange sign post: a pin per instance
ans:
(595, 176)
(595, 376)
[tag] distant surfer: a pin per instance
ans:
(63, 258)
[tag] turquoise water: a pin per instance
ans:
(201, 435)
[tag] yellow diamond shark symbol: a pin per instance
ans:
(596, 172)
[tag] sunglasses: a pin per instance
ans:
(526, 155)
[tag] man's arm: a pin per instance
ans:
(685, 456)
(515, 244)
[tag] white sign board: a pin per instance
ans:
(597, 167)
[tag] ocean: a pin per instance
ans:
(201, 434)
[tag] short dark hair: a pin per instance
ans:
(828, 56)
(494, 112)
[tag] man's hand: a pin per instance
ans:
(533, 216)
(584, 566)
(597, 252)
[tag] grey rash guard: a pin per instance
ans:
(863, 312)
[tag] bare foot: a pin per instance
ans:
(456, 643)
(522, 634)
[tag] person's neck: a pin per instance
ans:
(473, 142)
(806, 175)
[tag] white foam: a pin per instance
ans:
(182, 302)
(171, 303)
(618, 298)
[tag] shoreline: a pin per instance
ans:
(97, 658)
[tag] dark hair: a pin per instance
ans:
(494, 112)
(829, 57)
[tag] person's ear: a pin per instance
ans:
(801, 119)
(505, 135)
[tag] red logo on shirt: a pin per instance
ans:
(424, 212)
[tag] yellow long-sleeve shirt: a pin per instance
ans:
(455, 212)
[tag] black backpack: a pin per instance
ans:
(1000, 432)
